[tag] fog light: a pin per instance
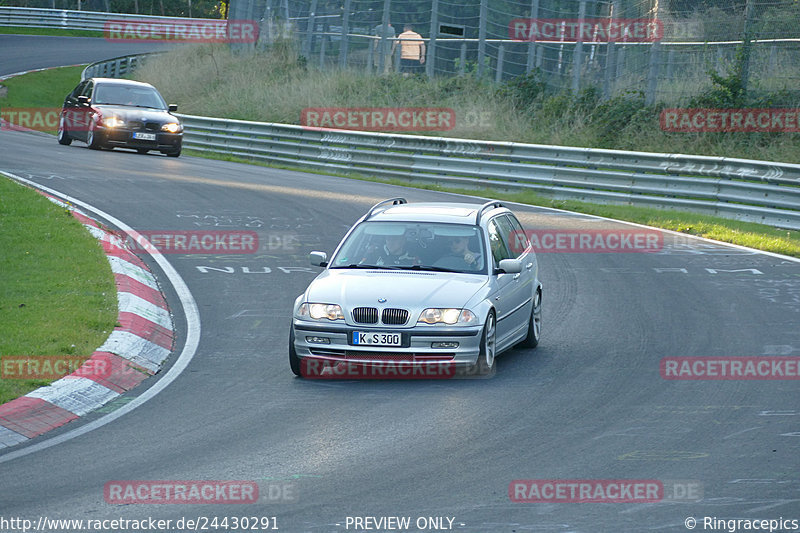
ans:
(444, 345)
(318, 340)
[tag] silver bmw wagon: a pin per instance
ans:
(420, 286)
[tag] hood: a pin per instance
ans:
(142, 114)
(402, 289)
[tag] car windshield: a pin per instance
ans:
(413, 246)
(128, 95)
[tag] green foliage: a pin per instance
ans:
(524, 91)
(620, 114)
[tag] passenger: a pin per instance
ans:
(392, 253)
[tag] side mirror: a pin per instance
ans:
(83, 100)
(319, 259)
(172, 108)
(509, 266)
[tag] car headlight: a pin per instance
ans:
(172, 127)
(316, 311)
(112, 122)
(447, 316)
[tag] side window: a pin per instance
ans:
(87, 91)
(517, 240)
(497, 240)
(79, 89)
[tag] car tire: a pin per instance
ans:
(534, 323)
(294, 360)
(487, 358)
(174, 153)
(92, 139)
(63, 136)
(142, 150)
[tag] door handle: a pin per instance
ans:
(516, 276)
(529, 266)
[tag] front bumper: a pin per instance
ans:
(123, 138)
(416, 350)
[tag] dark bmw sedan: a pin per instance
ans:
(110, 113)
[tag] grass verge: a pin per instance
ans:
(57, 293)
(25, 30)
(42, 91)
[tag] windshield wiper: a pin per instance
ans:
(428, 268)
(368, 267)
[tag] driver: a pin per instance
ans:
(393, 252)
(458, 247)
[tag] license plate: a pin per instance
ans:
(144, 136)
(376, 338)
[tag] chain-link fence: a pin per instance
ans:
(689, 38)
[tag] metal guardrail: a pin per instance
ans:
(116, 67)
(74, 20)
(754, 191)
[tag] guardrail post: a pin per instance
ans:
(482, 37)
(387, 5)
(431, 59)
(577, 56)
(529, 65)
(344, 44)
(322, 46)
(773, 59)
(370, 54)
(310, 29)
(501, 55)
(462, 64)
(652, 74)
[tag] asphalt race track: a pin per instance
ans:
(27, 52)
(588, 404)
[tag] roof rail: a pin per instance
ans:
(392, 201)
(488, 205)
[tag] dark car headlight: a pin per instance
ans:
(172, 127)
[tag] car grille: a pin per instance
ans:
(394, 316)
(389, 316)
(365, 315)
(138, 125)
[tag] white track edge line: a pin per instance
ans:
(187, 353)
